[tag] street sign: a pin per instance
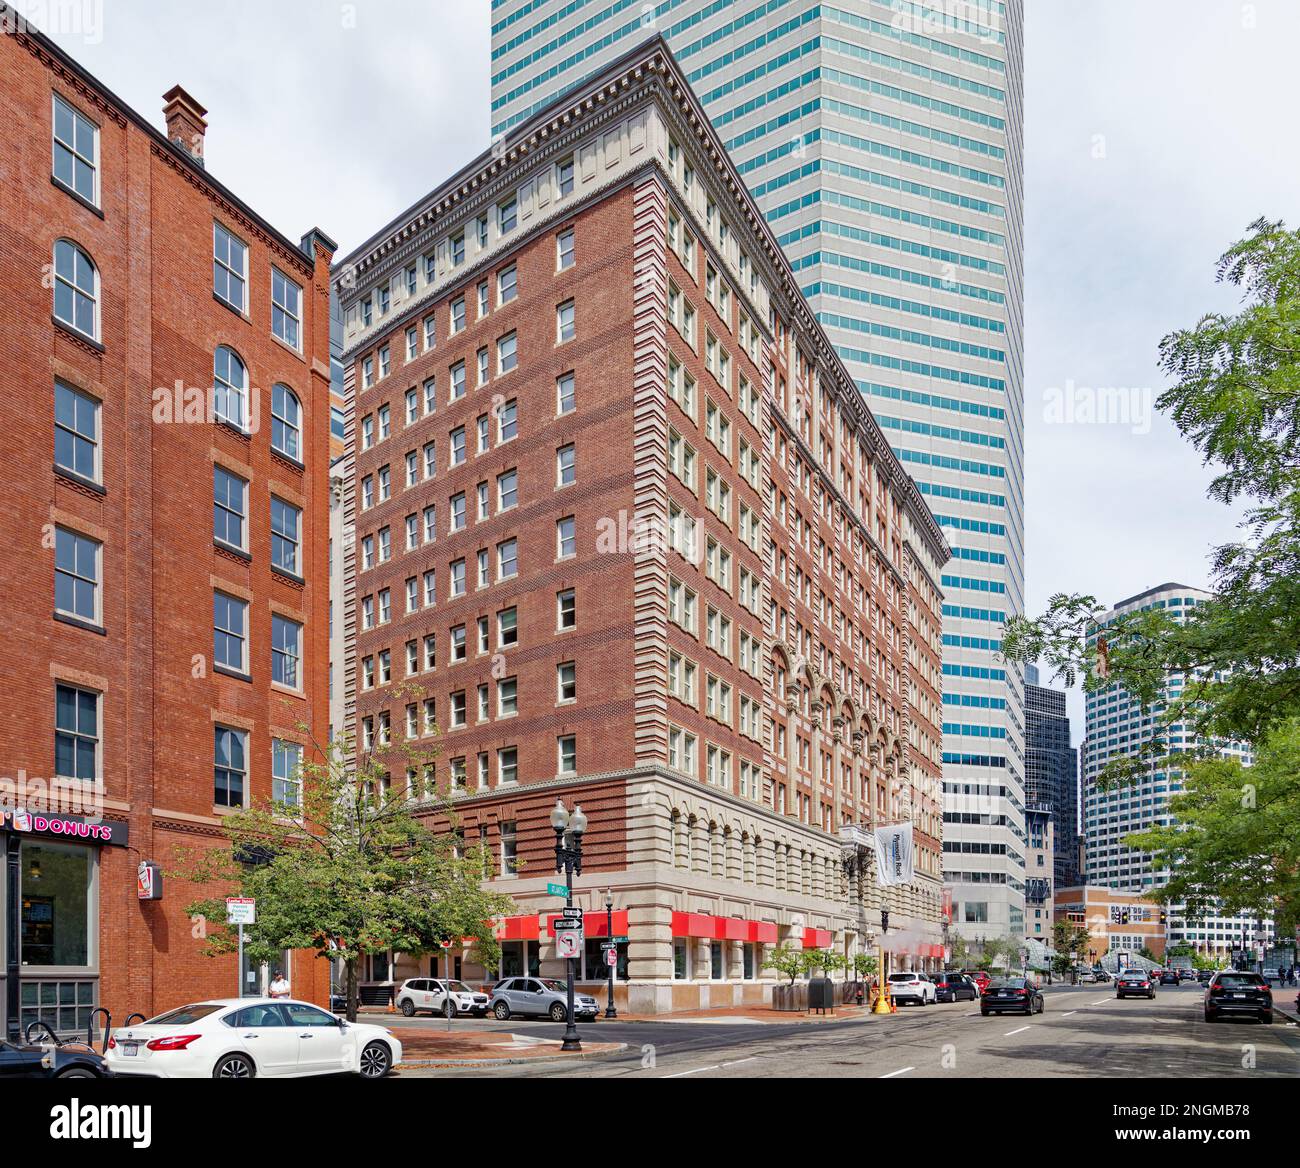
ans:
(241, 910)
(557, 890)
(445, 944)
(611, 957)
(609, 946)
(568, 943)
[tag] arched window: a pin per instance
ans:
(76, 289)
(229, 387)
(286, 422)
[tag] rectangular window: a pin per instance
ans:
(457, 315)
(507, 216)
(564, 176)
(230, 632)
(566, 537)
(507, 285)
(565, 254)
(507, 357)
(508, 764)
(286, 772)
(566, 465)
(286, 651)
(76, 151)
(286, 309)
(229, 508)
(76, 575)
(76, 733)
(567, 754)
(564, 322)
(507, 628)
(508, 421)
(76, 432)
(565, 394)
(507, 490)
(458, 249)
(566, 610)
(507, 559)
(231, 769)
(507, 697)
(229, 268)
(286, 524)
(566, 682)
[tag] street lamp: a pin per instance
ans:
(610, 1012)
(568, 859)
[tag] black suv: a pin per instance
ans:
(1238, 992)
(953, 987)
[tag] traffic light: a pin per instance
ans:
(884, 920)
(1123, 916)
(1164, 917)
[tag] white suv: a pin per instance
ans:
(909, 986)
(426, 993)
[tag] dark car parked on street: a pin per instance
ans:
(954, 987)
(1011, 993)
(1238, 992)
(31, 1060)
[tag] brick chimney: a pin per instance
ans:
(186, 122)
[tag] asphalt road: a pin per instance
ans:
(1084, 1032)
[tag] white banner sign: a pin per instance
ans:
(894, 854)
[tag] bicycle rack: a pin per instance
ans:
(129, 1017)
(90, 1027)
(38, 1023)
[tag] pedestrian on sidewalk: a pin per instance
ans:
(279, 987)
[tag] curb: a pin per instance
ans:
(502, 1062)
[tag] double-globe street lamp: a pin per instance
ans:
(568, 860)
(612, 962)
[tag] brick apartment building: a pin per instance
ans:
(619, 511)
(166, 623)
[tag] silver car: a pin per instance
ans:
(426, 993)
(540, 997)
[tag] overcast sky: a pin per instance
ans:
(1157, 131)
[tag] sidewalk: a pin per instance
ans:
(430, 1048)
(720, 1015)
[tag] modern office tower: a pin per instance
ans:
(622, 515)
(882, 141)
(1052, 772)
(165, 553)
(1117, 725)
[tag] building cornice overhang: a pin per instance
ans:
(647, 73)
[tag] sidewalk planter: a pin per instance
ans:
(790, 998)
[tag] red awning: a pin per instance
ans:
(732, 929)
(694, 925)
(762, 931)
(817, 938)
(523, 928)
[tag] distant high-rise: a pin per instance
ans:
(882, 142)
(1118, 725)
(1052, 773)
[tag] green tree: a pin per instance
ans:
(827, 960)
(347, 869)
(865, 964)
(1235, 396)
(790, 962)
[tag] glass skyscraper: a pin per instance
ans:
(1052, 773)
(883, 142)
(1118, 725)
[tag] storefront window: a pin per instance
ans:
(716, 951)
(749, 961)
(521, 958)
(55, 897)
(594, 961)
(681, 966)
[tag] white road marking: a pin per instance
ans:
(696, 1071)
(1068, 1013)
(902, 1072)
(972, 1014)
(736, 1062)
(1102, 1002)
(1009, 1033)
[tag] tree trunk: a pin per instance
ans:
(353, 989)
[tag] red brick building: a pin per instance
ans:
(166, 448)
(620, 513)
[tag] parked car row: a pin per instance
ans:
(993, 994)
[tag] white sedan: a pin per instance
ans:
(243, 1038)
(908, 986)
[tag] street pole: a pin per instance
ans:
(446, 991)
(239, 976)
(610, 1012)
(568, 859)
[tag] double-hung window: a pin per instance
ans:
(229, 268)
